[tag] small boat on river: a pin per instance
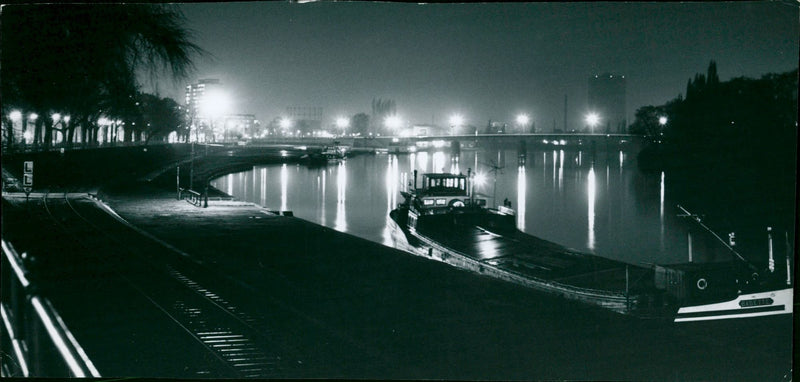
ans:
(334, 153)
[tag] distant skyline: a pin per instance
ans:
(482, 61)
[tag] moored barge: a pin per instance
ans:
(444, 220)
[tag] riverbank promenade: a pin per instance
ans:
(153, 286)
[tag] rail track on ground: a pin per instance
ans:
(241, 344)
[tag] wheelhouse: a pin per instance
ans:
(442, 192)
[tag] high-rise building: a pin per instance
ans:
(607, 100)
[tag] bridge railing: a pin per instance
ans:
(35, 340)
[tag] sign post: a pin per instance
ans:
(27, 178)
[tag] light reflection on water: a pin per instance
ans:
(522, 189)
(591, 189)
(558, 197)
(341, 198)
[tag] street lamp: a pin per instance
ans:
(32, 117)
(522, 121)
(214, 104)
(342, 123)
(56, 117)
(286, 123)
(592, 119)
(393, 122)
(662, 122)
(456, 120)
(15, 117)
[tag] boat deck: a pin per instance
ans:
(532, 257)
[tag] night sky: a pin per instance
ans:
(484, 61)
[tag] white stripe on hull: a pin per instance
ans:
(747, 305)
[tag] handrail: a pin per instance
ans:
(24, 313)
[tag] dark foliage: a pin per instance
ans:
(82, 59)
(738, 139)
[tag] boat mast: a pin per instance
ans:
(788, 261)
(697, 219)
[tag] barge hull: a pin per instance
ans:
(535, 263)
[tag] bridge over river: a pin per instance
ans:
(569, 141)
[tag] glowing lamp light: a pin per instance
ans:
(286, 123)
(15, 115)
(33, 116)
(662, 120)
(342, 122)
(67, 118)
(456, 120)
(592, 119)
(56, 117)
(215, 103)
(523, 119)
(393, 122)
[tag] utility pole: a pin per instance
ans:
(565, 114)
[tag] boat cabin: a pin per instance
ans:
(440, 192)
(444, 184)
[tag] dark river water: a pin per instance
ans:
(602, 205)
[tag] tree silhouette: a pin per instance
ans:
(380, 110)
(78, 58)
(360, 123)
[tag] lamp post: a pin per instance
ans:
(15, 116)
(32, 117)
(456, 120)
(286, 124)
(522, 121)
(67, 118)
(56, 118)
(342, 123)
(393, 122)
(662, 122)
(592, 119)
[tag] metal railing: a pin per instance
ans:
(35, 341)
